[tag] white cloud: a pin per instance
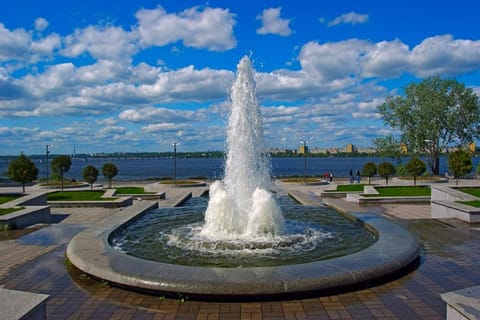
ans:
(40, 24)
(272, 23)
(207, 28)
(352, 18)
(101, 42)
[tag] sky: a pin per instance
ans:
(135, 76)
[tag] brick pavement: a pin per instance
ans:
(450, 260)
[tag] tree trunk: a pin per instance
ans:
(435, 167)
(23, 187)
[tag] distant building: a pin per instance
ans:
(350, 148)
(471, 147)
(403, 148)
(303, 149)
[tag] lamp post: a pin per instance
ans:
(305, 148)
(47, 152)
(175, 162)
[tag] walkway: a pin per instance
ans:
(450, 260)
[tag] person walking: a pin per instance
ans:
(358, 176)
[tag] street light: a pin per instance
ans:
(305, 148)
(175, 162)
(47, 152)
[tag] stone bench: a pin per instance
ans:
(463, 304)
(22, 305)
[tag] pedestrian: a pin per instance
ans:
(331, 176)
(358, 176)
(351, 175)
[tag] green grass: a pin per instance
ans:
(77, 196)
(131, 190)
(472, 191)
(8, 197)
(350, 187)
(403, 191)
(474, 203)
(9, 210)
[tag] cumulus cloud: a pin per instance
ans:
(272, 23)
(352, 18)
(101, 42)
(40, 24)
(203, 28)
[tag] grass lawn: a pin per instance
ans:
(8, 197)
(473, 191)
(132, 190)
(350, 187)
(9, 210)
(403, 191)
(77, 196)
(474, 203)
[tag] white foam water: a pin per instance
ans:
(242, 205)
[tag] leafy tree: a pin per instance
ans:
(434, 114)
(386, 170)
(60, 165)
(460, 162)
(90, 174)
(109, 170)
(22, 170)
(369, 170)
(415, 167)
(388, 147)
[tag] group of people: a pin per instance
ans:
(357, 177)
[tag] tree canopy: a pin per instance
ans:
(90, 175)
(434, 114)
(22, 170)
(386, 170)
(460, 162)
(109, 170)
(415, 167)
(60, 165)
(369, 170)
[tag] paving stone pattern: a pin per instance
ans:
(450, 261)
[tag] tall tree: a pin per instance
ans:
(109, 170)
(369, 170)
(460, 162)
(415, 167)
(90, 174)
(433, 115)
(22, 170)
(60, 165)
(386, 170)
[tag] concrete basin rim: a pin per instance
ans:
(91, 252)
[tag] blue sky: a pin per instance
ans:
(119, 76)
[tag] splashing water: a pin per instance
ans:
(241, 205)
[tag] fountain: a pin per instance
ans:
(242, 245)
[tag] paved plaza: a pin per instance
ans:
(450, 260)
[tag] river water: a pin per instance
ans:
(141, 169)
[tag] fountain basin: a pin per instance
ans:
(91, 253)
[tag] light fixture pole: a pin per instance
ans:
(175, 162)
(305, 148)
(47, 152)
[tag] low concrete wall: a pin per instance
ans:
(463, 304)
(445, 206)
(26, 199)
(26, 217)
(448, 209)
(120, 202)
(22, 305)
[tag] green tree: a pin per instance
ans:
(90, 174)
(386, 170)
(60, 165)
(432, 115)
(460, 163)
(415, 167)
(22, 170)
(369, 170)
(109, 170)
